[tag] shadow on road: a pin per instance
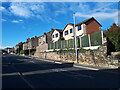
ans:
(42, 74)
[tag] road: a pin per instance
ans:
(24, 72)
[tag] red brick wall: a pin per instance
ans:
(92, 27)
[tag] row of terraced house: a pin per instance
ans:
(40, 43)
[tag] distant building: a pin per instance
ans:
(33, 42)
(9, 49)
(25, 46)
(44, 40)
(18, 47)
(30, 43)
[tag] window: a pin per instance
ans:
(57, 35)
(53, 36)
(79, 27)
(71, 30)
(66, 32)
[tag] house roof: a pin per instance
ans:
(87, 21)
(67, 25)
(59, 30)
(46, 33)
(50, 31)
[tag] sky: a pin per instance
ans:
(20, 18)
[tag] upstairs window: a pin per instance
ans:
(79, 27)
(66, 32)
(53, 36)
(57, 35)
(71, 30)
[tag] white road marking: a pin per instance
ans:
(86, 67)
(58, 70)
(9, 74)
(46, 60)
(58, 62)
(30, 85)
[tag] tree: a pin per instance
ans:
(113, 34)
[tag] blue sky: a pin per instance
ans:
(19, 18)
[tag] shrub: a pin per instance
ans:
(22, 51)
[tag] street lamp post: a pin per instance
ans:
(18, 50)
(29, 43)
(75, 39)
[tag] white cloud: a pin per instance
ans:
(100, 16)
(26, 10)
(3, 20)
(101, 11)
(2, 8)
(20, 11)
(42, 11)
(20, 20)
(15, 21)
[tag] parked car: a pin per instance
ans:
(4, 53)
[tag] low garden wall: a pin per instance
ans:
(88, 57)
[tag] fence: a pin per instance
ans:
(94, 39)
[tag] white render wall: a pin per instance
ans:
(70, 35)
(54, 33)
(80, 32)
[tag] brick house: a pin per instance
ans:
(44, 40)
(30, 43)
(25, 46)
(57, 34)
(34, 42)
(85, 27)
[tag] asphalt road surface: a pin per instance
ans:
(24, 72)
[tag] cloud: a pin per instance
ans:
(2, 8)
(3, 20)
(100, 15)
(26, 10)
(21, 20)
(58, 12)
(43, 11)
(17, 21)
(101, 11)
(19, 10)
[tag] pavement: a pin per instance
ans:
(30, 72)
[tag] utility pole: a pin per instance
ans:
(18, 50)
(29, 43)
(75, 39)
